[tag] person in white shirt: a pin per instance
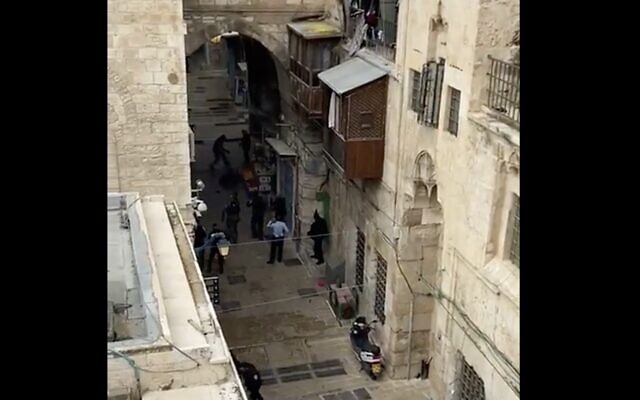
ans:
(279, 230)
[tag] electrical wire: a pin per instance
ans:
(306, 296)
(469, 323)
(286, 239)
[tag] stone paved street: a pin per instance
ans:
(269, 314)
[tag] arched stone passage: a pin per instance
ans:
(199, 34)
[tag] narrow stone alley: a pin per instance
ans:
(278, 316)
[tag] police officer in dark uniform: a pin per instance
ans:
(231, 216)
(258, 208)
(251, 378)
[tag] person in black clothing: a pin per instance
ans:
(231, 214)
(219, 152)
(213, 250)
(280, 208)
(318, 232)
(252, 379)
(245, 143)
(200, 236)
(258, 208)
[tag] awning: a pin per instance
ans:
(281, 147)
(315, 29)
(350, 74)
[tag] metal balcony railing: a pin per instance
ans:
(504, 90)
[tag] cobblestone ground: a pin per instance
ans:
(275, 316)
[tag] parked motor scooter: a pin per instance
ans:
(365, 350)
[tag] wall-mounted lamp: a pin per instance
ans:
(226, 35)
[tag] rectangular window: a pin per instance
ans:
(415, 90)
(514, 245)
(337, 124)
(454, 111)
(360, 260)
(366, 119)
(381, 287)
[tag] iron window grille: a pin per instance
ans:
(416, 90)
(360, 260)
(430, 93)
(504, 90)
(454, 111)
(381, 288)
(469, 384)
(514, 249)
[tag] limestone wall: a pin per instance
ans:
(148, 149)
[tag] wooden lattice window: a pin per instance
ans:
(381, 288)
(360, 260)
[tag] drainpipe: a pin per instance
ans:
(411, 307)
(395, 201)
(406, 281)
(410, 336)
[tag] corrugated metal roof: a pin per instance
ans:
(315, 29)
(281, 147)
(350, 75)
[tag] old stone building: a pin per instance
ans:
(432, 243)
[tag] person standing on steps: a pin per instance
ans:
(231, 215)
(258, 208)
(318, 232)
(219, 152)
(279, 231)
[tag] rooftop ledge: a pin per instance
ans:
(491, 121)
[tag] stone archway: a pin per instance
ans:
(199, 33)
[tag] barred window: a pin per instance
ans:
(469, 384)
(360, 260)
(415, 91)
(381, 288)
(514, 245)
(430, 93)
(454, 111)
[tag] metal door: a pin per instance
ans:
(285, 188)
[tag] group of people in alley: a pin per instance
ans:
(276, 228)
